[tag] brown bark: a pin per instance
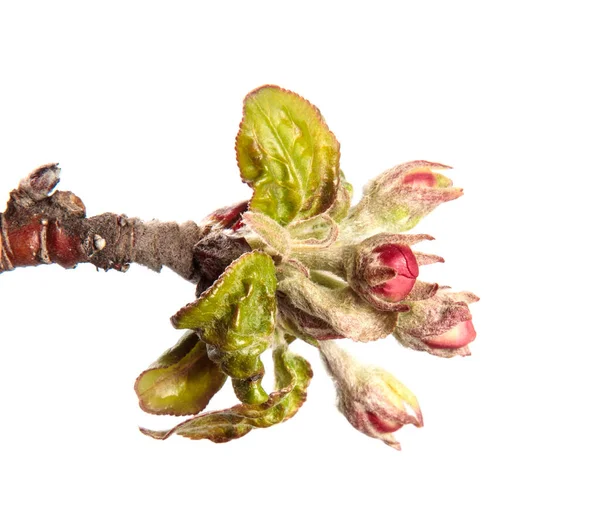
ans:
(41, 227)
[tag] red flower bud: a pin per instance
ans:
(373, 400)
(383, 270)
(401, 260)
(440, 325)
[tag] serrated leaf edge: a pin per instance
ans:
(321, 119)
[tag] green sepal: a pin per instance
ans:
(292, 377)
(182, 381)
(287, 154)
(236, 314)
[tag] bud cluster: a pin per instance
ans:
(298, 261)
(381, 271)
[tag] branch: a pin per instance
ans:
(40, 227)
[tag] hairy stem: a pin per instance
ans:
(40, 227)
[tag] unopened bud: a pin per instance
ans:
(371, 399)
(383, 270)
(423, 178)
(401, 260)
(456, 337)
(399, 198)
(440, 325)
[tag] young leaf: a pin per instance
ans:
(287, 154)
(237, 313)
(182, 381)
(292, 377)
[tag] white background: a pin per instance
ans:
(140, 103)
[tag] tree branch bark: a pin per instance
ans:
(41, 227)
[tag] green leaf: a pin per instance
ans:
(182, 381)
(237, 313)
(292, 377)
(287, 154)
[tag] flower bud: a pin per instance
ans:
(420, 178)
(456, 337)
(371, 399)
(383, 270)
(399, 198)
(441, 325)
(401, 260)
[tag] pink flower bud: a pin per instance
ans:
(456, 337)
(399, 198)
(418, 173)
(401, 260)
(383, 271)
(420, 178)
(371, 399)
(440, 325)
